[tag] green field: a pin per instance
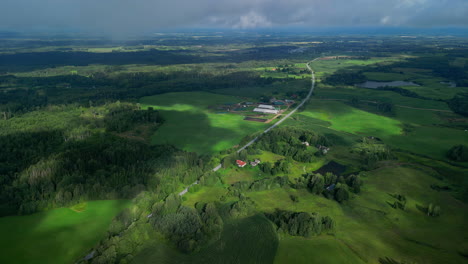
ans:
(352, 120)
(326, 250)
(424, 137)
(430, 86)
(367, 228)
(248, 240)
(56, 236)
(192, 126)
(376, 95)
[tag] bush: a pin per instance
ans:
(341, 194)
(459, 104)
(187, 228)
(458, 153)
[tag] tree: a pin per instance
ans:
(294, 198)
(266, 167)
(433, 210)
(355, 101)
(341, 194)
(386, 107)
(316, 184)
(354, 182)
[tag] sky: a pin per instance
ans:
(143, 16)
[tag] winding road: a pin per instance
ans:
(312, 86)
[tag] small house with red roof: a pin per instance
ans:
(241, 163)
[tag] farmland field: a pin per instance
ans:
(56, 236)
(351, 120)
(192, 126)
(320, 250)
(344, 118)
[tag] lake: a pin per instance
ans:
(374, 85)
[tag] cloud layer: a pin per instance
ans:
(133, 16)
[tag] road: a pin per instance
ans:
(312, 86)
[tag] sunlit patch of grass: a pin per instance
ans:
(345, 118)
(81, 207)
(30, 238)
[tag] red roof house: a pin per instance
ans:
(241, 163)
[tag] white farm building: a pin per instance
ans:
(266, 111)
(266, 106)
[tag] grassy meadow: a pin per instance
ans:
(191, 124)
(422, 138)
(326, 250)
(367, 227)
(348, 119)
(248, 240)
(423, 125)
(57, 236)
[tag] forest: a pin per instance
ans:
(103, 87)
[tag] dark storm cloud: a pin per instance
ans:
(133, 16)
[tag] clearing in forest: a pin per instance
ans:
(191, 124)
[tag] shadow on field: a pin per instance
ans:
(194, 131)
(421, 208)
(248, 240)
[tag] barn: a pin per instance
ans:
(266, 111)
(266, 106)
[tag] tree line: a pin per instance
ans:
(101, 87)
(330, 185)
(301, 223)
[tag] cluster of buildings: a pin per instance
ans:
(324, 149)
(271, 109)
(241, 164)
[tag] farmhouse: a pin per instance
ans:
(241, 163)
(255, 163)
(324, 149)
